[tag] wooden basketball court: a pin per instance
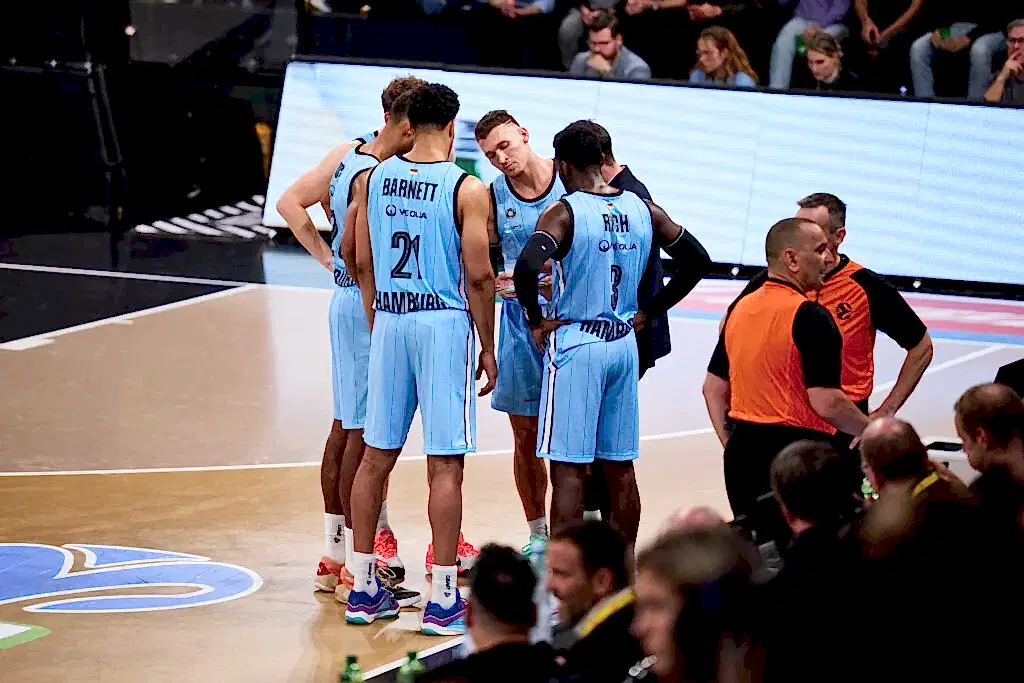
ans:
(162, 515)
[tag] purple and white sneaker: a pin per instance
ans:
(362, 608)
(438, 621)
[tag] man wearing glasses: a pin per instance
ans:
(1008, 85)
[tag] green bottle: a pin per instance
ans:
(351, 673)
(867, 490)
(412, 668)
(944, 33)
(801, 46)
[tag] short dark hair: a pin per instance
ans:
(836, 207)
(605, 138)
(605, 20)
(503, 583)
(578, 145)
(996, 408)
(783, 235)
(900, 454)
(433, 104)
(492, 120)
(807, 478)
(601, 546)
(398, 87)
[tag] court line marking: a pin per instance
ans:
(421, 655)
(953, 362)
(125, 318)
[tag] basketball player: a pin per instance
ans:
(425, 275)
(600, 239)
(344, 443)
(528, 184)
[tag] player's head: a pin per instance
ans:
(396, 88)
(604, 37)
(990, 422)
(432, 109)
(504, 142)
(501, 596)
(609, 168)
(797, 249)
(577, 154)
(397, 135)
(828, 211)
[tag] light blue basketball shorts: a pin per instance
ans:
(589, 404)
(423, 359)
(520, 364)
(350, 356)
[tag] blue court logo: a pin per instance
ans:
(34, 572)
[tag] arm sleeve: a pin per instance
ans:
(719, 365)
(820, 344)
(539, 248)
(890, 312)
(691, 262)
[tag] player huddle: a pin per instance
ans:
(419, 250)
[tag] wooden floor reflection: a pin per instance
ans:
(241, 381)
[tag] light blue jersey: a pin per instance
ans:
(414, 235)
(520, 362)
(355, 162)
(589, 397)
(367, 137)
(422, 347)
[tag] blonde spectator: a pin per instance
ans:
(825, 61)
(721, 60)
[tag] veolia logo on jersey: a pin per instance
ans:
(605, 245)
(393, 210)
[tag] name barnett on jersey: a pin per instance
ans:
(409, 189)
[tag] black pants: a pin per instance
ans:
(748, 461)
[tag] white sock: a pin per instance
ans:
(364, 566)
(349, 561)
(382, 521)
(539, 526)
(443, 586)
(591, 514)
(334, 536)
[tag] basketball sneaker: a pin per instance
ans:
(386, 578)
(362, 608)
(438, 621)
(385, 547)
(465, 559)
(534, 552)
(345, 583)
(328, 573)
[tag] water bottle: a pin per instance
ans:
(412, 668)
(351, 673)
(801, 46)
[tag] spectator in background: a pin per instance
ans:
(1008, 85)
(572, 32)
(499, 616)
(587, 574)
(887, 28)
(513, 34)
(955, 26)
(894, 455)
(608, 57)
(721, 60)
(696, 605)
(825, 62)
(810, 17)
(990, 422)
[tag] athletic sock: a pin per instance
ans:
(364, 570)
(539, 526)
(443, 586)
(349, 561)
(382, 521)
(334, 536)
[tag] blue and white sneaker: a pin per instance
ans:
(362, 608)
(438, 621)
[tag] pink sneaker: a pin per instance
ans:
(465, 560)
(328, 573)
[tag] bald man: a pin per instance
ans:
(774, 377)
(894, 456)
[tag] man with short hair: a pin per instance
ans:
(573, 28)
(608, 57)
(344, 448)
(588, 573)
(990, 422)
(1008, 85)
(776, 371)
(862, 303)
(423, 268)
(499, 617)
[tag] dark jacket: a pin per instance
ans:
(653, 341)
(604, 650)
(509, 663)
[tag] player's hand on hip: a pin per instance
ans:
(487, 366)
(546, 327)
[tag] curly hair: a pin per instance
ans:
(434, 104)
(578, 145)
(398, 87)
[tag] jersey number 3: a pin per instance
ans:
(409, 246)
(616, 281)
